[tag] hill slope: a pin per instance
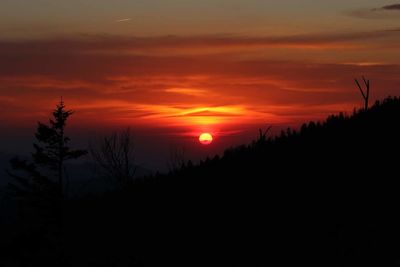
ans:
(325, 195)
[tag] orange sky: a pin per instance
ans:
(195, 81)
(178, 83)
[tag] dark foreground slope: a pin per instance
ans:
(327, 195)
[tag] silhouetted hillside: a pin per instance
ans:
(4, 164)
(326, 195)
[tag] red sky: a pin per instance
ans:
(172, 87)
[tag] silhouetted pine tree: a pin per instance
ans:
(44, 177)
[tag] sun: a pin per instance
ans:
(205, 138)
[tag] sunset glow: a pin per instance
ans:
(205, 138)
(216, 124)
(173, 72)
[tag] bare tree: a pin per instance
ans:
(115, 157)
(365, 94)
(263, 135)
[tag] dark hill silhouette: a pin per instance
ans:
(324, 195)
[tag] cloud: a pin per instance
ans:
(174, 44)
(384, 12)
(187, 91)
(391, 7)
(123, 20)
(107, 81)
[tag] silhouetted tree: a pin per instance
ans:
(46, 173)
(115, 157)
(297, 198)
(365, 94)
(263, 135)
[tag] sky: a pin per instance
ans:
(173, 69)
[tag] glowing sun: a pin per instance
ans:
(205, 138)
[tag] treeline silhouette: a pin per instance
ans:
(326, 194)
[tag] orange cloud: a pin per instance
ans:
(187, 91)
(109, 85)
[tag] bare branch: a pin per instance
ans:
(359, 86)
(267, 131)
(115, 157)
(365, 82)
(365, 94)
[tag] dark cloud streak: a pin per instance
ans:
(391, 7)
(385, 12)
(118, 44)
